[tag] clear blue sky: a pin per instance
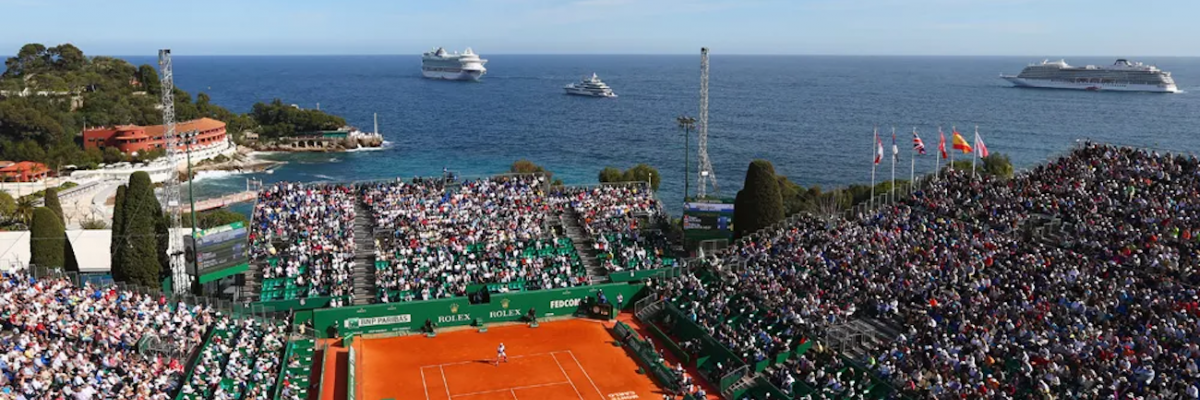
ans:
(870, 27)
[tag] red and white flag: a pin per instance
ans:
(878, 149)
(980, 148)
(942, 144)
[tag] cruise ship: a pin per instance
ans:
(590, 87)
(440, 64)
(1122, 76)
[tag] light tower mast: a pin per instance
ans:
(706, 169)
(170, 191)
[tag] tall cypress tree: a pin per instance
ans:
(138, 242)
(760, 202)
(46, 239)
(50, 199)
(118, 232)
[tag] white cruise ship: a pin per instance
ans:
(590, 87)
(440, 64)
(1122, 76)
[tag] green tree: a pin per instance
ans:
(31, 58)
(8, 206)
(759, 204)
(149, 79)
(277, 119)
(641, 173)
(998, 165)
(67, 57)
(524, 166)
(46, 239)
(25, 207)
(50, 199)
(213, 218)
(112, 155)
(118, 228)
(609, 174)
(93, 224)
(137, 242)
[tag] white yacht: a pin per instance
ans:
(440, 64)
(1122, 76)
(590, 87)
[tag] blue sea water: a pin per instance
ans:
(812, 116)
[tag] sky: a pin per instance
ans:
(823, 27)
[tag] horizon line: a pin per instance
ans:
(667, 55)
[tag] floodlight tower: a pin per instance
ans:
(706, 169)
(170, 191)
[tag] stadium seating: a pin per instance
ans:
(625, 223)
(302, 240)
(441, 238)
(989, 308)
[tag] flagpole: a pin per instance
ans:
(937, 169)
(894, 156)
(952, 130)
(912, 166)
(974, 152)
(874, 153)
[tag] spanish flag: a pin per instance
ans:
(960, 143)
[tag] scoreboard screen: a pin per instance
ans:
(707, 216)
(213, 250)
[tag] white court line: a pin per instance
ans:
(585, 374)
(423, 385)
(514, 393)
(445, 383)
(560, 368)
(489, 362)
(511, 389)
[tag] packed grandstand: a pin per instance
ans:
(1072, 280)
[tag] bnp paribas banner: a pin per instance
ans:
(356, 323)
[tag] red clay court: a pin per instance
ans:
(572, 359)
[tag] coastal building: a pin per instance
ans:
(130, 139)
(347, 138)
(24, 171)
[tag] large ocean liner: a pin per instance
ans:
(440, 64)
(1122, 76)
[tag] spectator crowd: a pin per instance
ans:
(1101, 304)
(65, 342)
(303, 240)
(441, 235)
(624, 222)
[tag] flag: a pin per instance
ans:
(980, 148)
(918, 145)
(960, 143)
(878, 149)
(942, 144)
(895, 150)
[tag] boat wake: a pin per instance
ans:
(202, 176)
(384, 146)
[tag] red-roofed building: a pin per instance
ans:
(24, 171)
(133, 138)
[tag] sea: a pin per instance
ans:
(813, 117)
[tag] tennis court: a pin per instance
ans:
(572, 359)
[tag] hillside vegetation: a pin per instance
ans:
(49, 94)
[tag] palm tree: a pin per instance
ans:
(25, 206)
